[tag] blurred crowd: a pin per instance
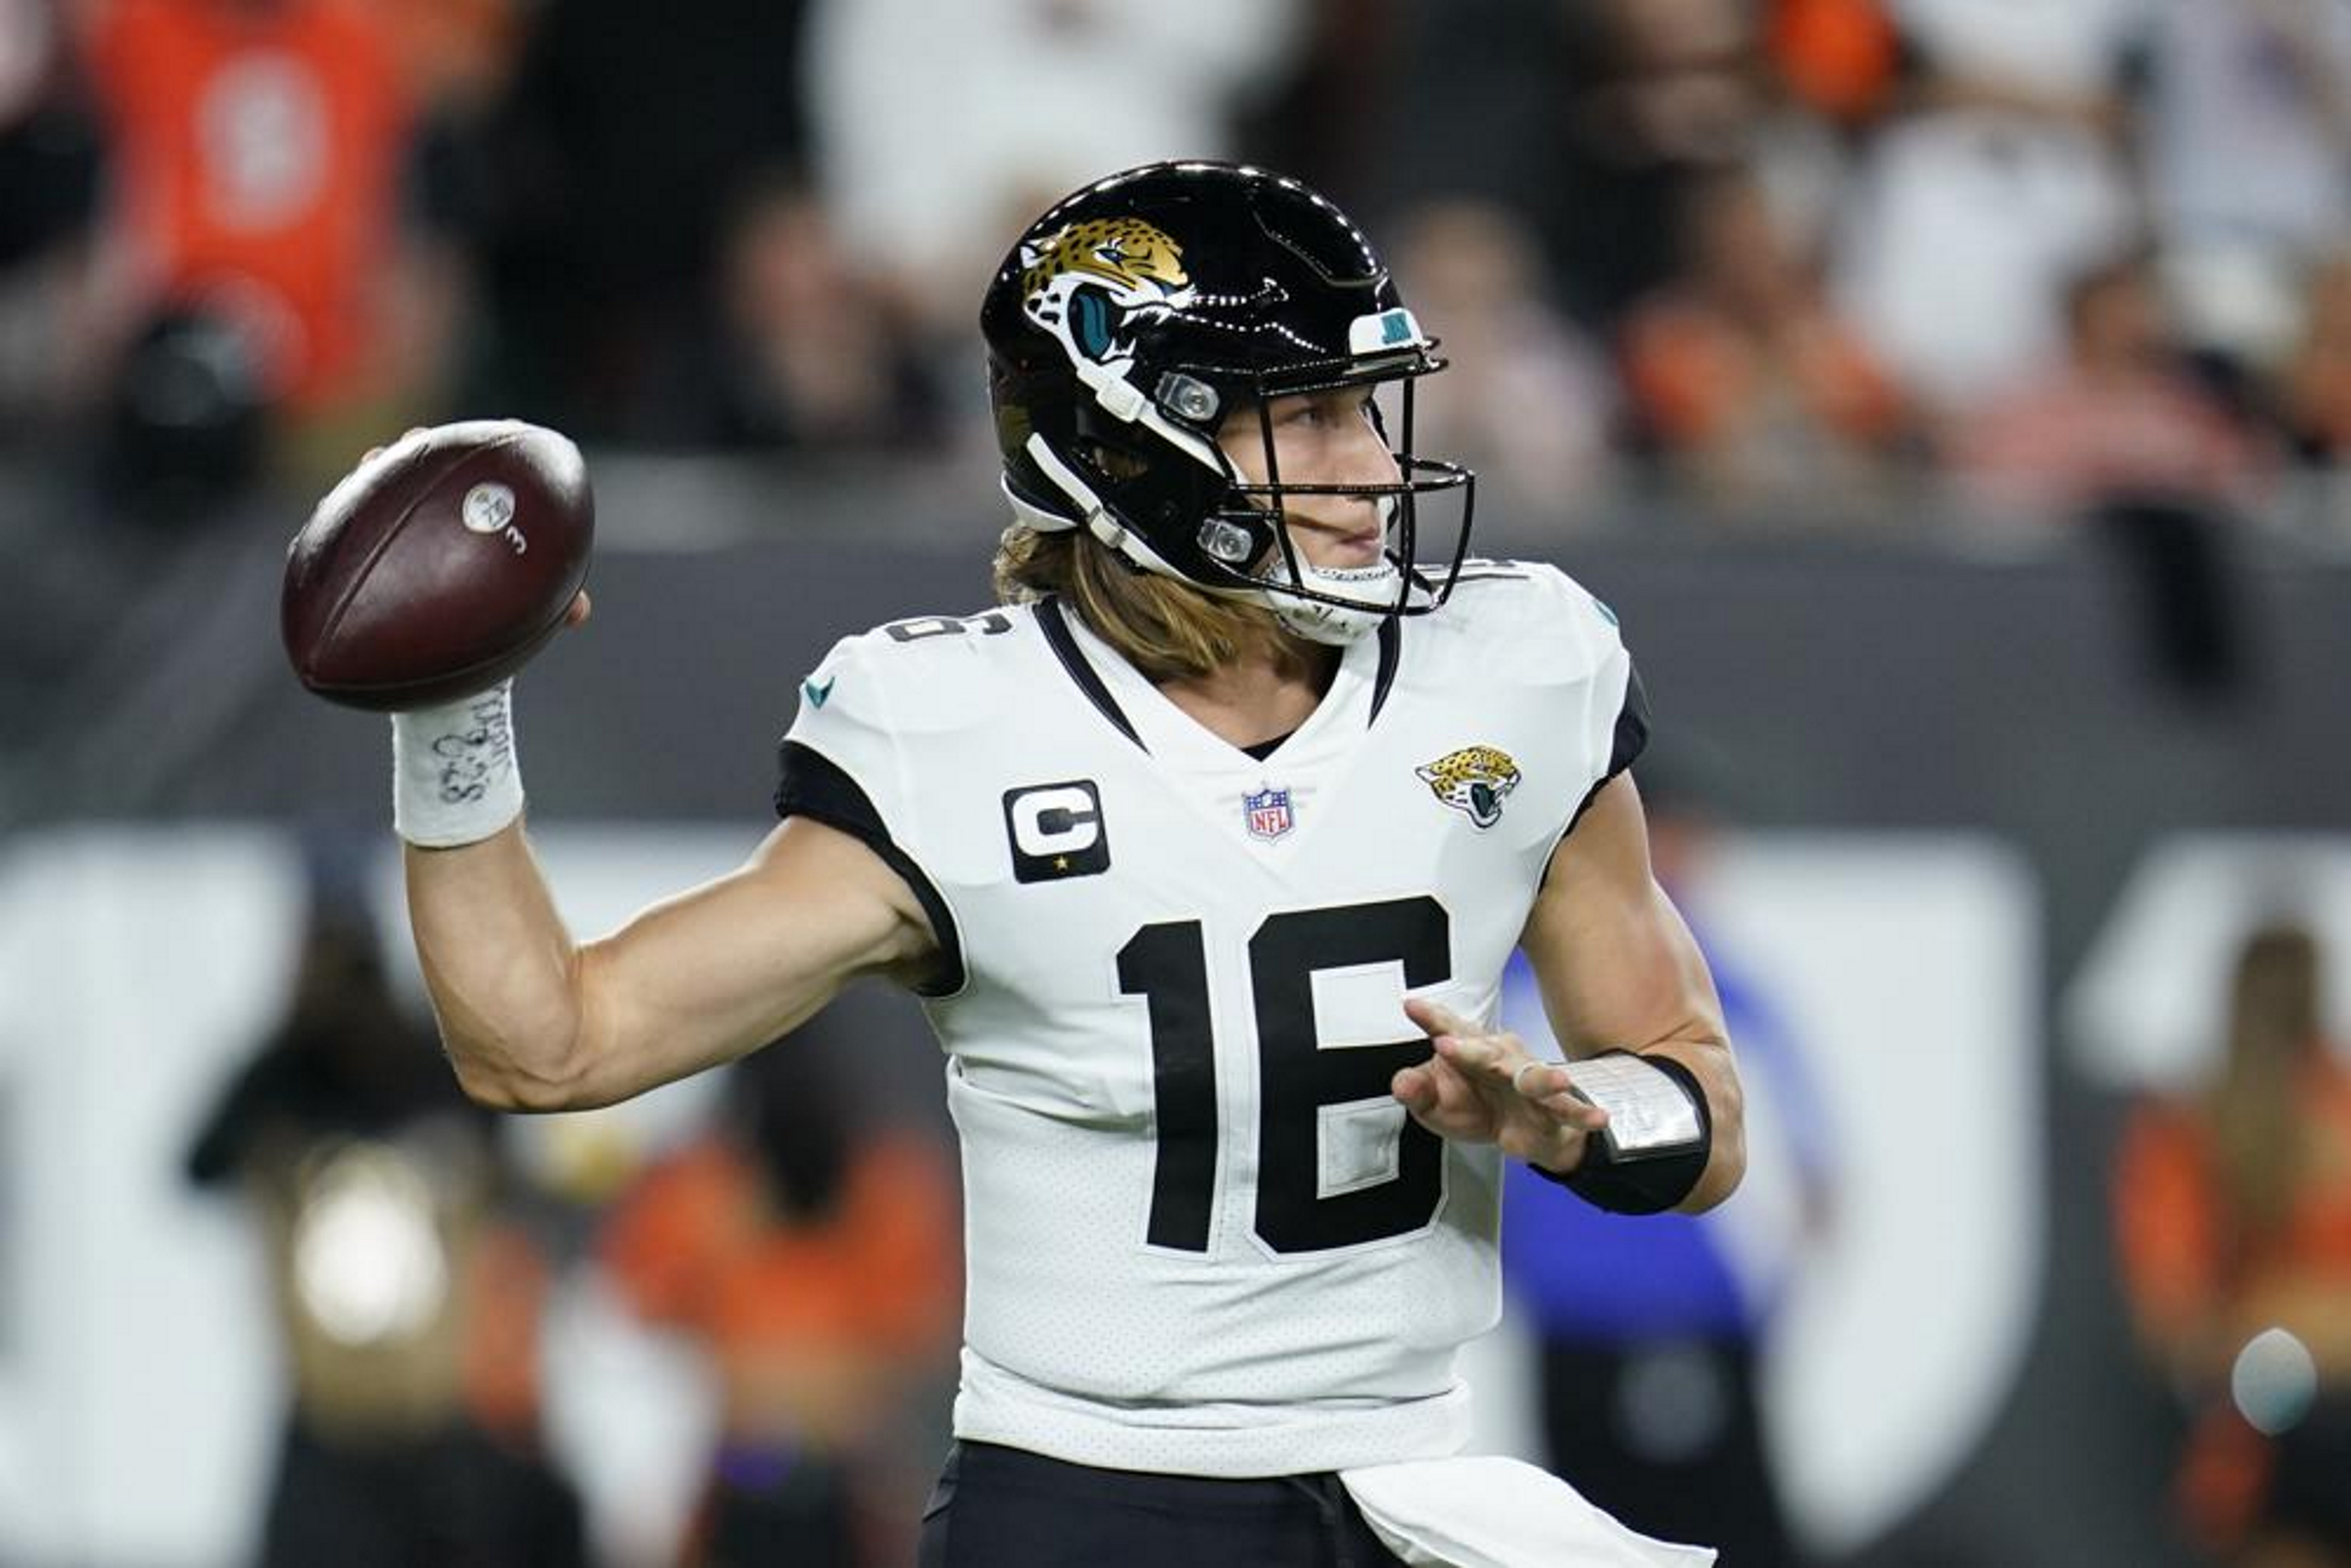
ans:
(1781, 258)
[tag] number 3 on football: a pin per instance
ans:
(439, 565)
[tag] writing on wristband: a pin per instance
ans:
(472, 758)
(454, 776)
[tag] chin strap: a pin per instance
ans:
(1371, 588)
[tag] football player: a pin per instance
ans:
(1206, 847)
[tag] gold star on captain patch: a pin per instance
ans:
(1060, 862)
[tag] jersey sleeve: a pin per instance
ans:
(841, 763)
(1575, 645)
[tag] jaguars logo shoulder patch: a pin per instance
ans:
(1474, 780)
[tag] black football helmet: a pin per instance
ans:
(1133, 317)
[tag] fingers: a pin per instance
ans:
(1472, 1048)
(1436, 1017)
(1489, 1060)
(373, 452)
(1481, 1055)
(1415, 1089)
(1482, 1080)
(1549, 1085)
(580, 608)
(1501, 1065)
(1442, 1099)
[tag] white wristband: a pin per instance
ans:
(454, 778)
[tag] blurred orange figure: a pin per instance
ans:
(2233, 1215)
(258, 149)
(820, 1271)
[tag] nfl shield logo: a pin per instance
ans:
(1268, 813)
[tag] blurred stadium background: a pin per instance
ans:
(1951, 395)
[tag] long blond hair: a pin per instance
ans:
(1165, 627)
(2254, 1108)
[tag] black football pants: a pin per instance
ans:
(998, 1507)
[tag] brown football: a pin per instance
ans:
(438, 566)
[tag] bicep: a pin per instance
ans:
(719, 971)
(1614, 960)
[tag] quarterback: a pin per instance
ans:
(1205, 847)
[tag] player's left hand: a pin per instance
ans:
(1485, 1086)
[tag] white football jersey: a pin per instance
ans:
(1202, 1237)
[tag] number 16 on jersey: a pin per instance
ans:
(1167, 964)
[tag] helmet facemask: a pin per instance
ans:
(1337, 604)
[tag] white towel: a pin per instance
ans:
(1484, 1511)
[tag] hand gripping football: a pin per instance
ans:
(438, 566)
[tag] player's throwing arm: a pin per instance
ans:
(421, 585)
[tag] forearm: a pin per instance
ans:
(500, 969)
(537, 1022)
(1697, 1039)
(1620, 972)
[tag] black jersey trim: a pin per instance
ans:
(1632, 724)
(1391, 653)
(1064, 643)
(1630, 740)
(813, 786)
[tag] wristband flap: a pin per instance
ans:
(1650, 1114)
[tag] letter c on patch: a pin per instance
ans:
(1056, 830)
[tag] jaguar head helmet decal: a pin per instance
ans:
(1087, 282)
